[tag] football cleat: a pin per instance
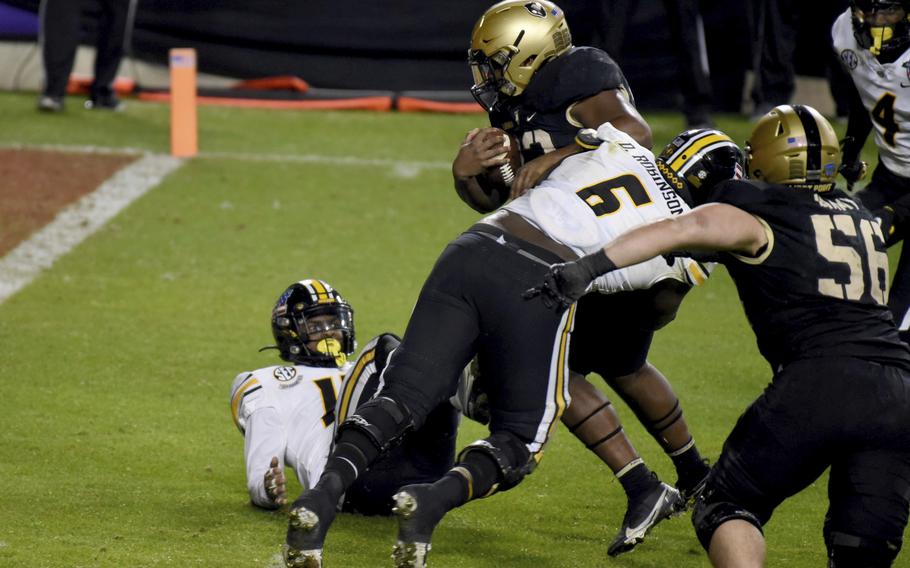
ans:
(310, 518)
(418, 514)
(642, 516)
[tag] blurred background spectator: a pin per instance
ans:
(60, 36)
(408, 46)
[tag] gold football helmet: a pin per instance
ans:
(510, 42)
(794, 145)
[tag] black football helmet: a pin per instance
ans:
(882, 27)
(304, 311)
(510, 42)
(697, 160)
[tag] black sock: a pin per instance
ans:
(353, 453)
(689, 465)
(637, 480)
(478, 475)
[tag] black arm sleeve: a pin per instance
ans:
(858, 127)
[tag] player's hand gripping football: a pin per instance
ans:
(275, 483)
(566, 282)
(482, 148)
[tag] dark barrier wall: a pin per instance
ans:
(406, 45)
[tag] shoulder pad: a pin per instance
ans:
(245, 392)
(579, 73)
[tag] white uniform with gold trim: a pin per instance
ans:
(593, 197)
(289, 412)
(884, 89)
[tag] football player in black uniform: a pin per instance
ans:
(810, 266)
(538, 87)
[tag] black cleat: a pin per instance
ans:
(656, 505)
(310, 517)
(105, 102)
(418, 514)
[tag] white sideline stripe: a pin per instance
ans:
(79, 220)
(250, 157)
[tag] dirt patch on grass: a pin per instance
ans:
(35, 185)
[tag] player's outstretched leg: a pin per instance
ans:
(418, 511)
(650, 502)
(653, 400)
(310, 517)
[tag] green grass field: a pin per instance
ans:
(117, 446)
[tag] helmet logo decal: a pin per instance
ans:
(284, 374)
(536, 9)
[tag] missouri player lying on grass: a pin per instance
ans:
(287, 413)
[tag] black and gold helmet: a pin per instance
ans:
(882, 27)
(794, 145)
(701, 158)
(305, 312)
(510, 42)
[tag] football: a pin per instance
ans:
(500, 178)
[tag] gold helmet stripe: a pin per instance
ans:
(693, 148)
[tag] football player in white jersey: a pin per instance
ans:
(287, 413)
(872, 39)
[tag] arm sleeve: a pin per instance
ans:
(859, 124)
(265, 437)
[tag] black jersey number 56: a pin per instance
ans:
(860, 234)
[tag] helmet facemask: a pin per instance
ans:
(882, 27)
(489, 77)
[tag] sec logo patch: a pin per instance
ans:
(848, 56)
(284, 374)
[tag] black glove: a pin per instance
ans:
(853, 172)
(566, 282)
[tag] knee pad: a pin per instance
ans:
(509, 453)
(706, 517)
(382, 421)
(849, 551)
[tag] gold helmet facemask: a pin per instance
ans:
(510, 42)
(794, 145)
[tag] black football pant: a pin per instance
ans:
(471, 304)
(844, 413)
(61, 27)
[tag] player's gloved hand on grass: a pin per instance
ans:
(566, 282)
(275, 483)
(853, 172)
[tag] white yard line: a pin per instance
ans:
(251, 157)
(78, 221)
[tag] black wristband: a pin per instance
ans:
(597, 263)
